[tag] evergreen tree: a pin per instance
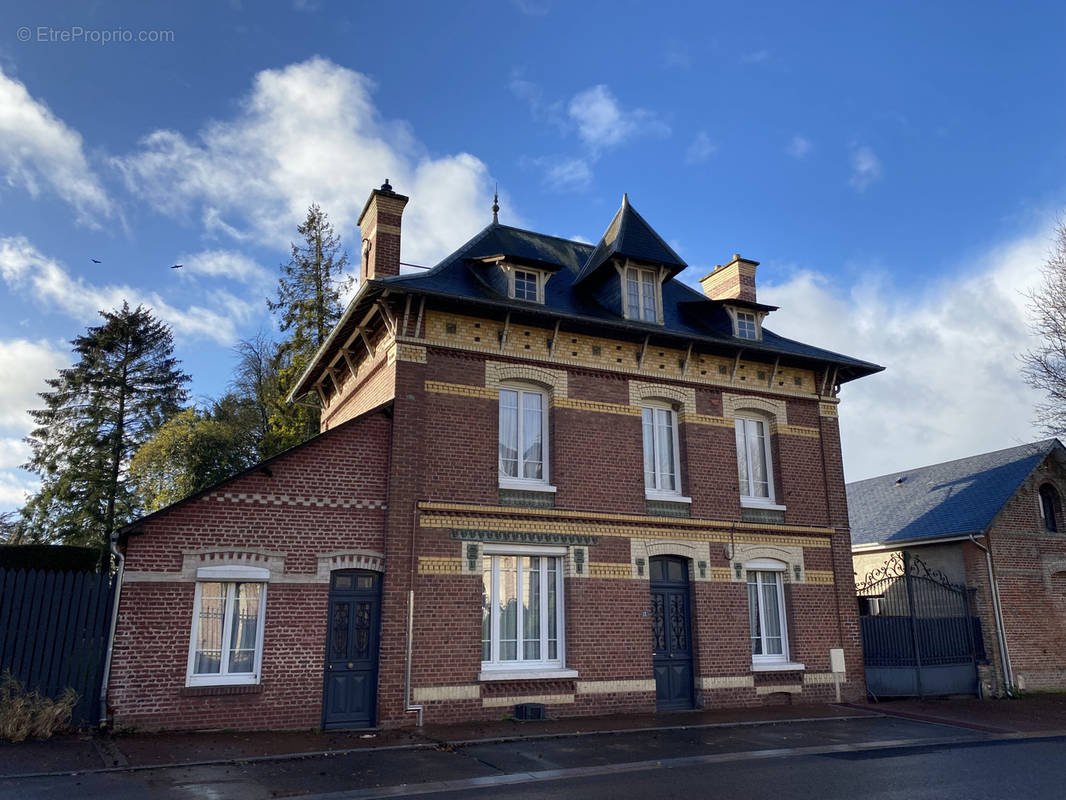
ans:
(308, 305)
(123, 387)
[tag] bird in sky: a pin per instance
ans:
(95, 260)
(177, 266)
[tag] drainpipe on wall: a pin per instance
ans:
(409, 706)
(407, 670)
(120, 560)
(997, 611)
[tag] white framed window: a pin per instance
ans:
(662, 461)
(746, 324)
(226, 644)
(754, 463)
(766, 612)
(523, 451)
(527, 285)
(522, 608)
(641, 294)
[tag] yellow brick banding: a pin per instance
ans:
(413, 353)
(727, 682)
(439, 387)
(594, 405)
(614, 687)
(827, 409)
(498, 515)
(819, 678)
(721, 574)
(706, 419)
(430, 694)
(429, 565)
(796, 430)
(602, 353)
(598, 569)
(820, 577)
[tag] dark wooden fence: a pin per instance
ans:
(53, 633)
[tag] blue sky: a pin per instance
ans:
(896, 167)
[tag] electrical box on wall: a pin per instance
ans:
(836, 659)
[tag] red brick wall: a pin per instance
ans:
(323, 497)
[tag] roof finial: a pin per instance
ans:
(625, 198)
(496, 205)
(386, 186)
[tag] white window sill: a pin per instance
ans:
(778, 666)
(765, 505)
(525, 674)
(526, 486)
(215, 680)
(666, 497)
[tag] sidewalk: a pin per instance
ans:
(85, 753)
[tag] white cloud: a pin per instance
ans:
(561, 173)
(952, 385)
(602, 122)
(223, 264)
(37, 149)
(24, 366)
(24, 268)
(799, 147)
(309, 132)
(865, 168)
(701, 149)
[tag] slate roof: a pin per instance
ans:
(687, 313)
(630, 235)
(946, 500)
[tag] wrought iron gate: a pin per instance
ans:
(919, 637)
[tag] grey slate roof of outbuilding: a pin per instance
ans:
(945, 500)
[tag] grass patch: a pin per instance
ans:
(28, 713)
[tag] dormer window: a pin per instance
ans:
(746, 324)
(524, 283)
(642, 294)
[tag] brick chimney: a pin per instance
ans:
(380, 226)
(732, 281)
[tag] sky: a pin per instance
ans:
(897, 168)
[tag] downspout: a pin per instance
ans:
(411, 625)
(997, 611)
(121, 562)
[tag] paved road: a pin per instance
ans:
(868, 758)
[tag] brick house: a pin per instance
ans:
(548, 472)
(992, 523)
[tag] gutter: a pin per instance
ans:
(997, 611)
(120, 560)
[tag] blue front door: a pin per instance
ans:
(671, 632)
(351, 682)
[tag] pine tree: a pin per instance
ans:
(309, 303)
(123, 387)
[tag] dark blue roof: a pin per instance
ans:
(686, 312)
(630, 235)
(955, 498)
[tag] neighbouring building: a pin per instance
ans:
(987, 530)
(548, 473)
